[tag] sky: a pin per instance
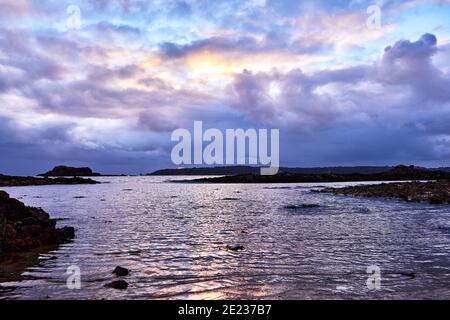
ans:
(104, 83)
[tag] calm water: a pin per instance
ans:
(173, 236)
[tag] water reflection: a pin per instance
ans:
(173, 238)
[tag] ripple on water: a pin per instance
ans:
(173, 237)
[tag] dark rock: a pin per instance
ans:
(235, 248)
(11, 181)
(3, 195)
(302, 206)
(25, 228)
(435, 192)
(435, 200)
(64, 171)
(121, 272)
(411, 275)
(118, 284)
(66, 233)
(30, 221)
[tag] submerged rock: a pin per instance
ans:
(25, 228)
(121, 272)
(12, 181)
(118, 284)
(235, 248)
(302, 206)
(411, 275)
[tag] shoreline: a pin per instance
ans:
(24, 228)
(236, 245)
(16, 181)
(432, 192)
(399, 173)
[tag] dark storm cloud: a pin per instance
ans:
(382, 111)
(409, 63)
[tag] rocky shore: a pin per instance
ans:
(436, 192)
(24, 228)
(12, 181)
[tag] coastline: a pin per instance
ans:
(433, 192)
(309, 227)
(24, 228)
(399, 173)
(16, 181)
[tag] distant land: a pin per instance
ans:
(64, 171)
(14, 181)
(399, 173)
(239, 170)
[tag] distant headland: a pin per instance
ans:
(398, 173)
(14, 181)
(59, 175)
(64, 171)
(250, 170)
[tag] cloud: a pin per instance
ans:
(107, 28)
(324, 95)
(111, 92)
(13, 9)
(410, 64)
(359, 113)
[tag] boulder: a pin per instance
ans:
(118, 284)
(121, 272)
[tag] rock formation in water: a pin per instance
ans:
(121, 272)
(64, 171)
(435, 192)
(118, 284)
(13, 181)
(23, 228)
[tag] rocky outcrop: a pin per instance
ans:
(24, 228)
(12, 181)
(64, 171)
(121, 272)
(118, 284)
(436, 192)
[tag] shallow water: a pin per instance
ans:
(173, 238)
